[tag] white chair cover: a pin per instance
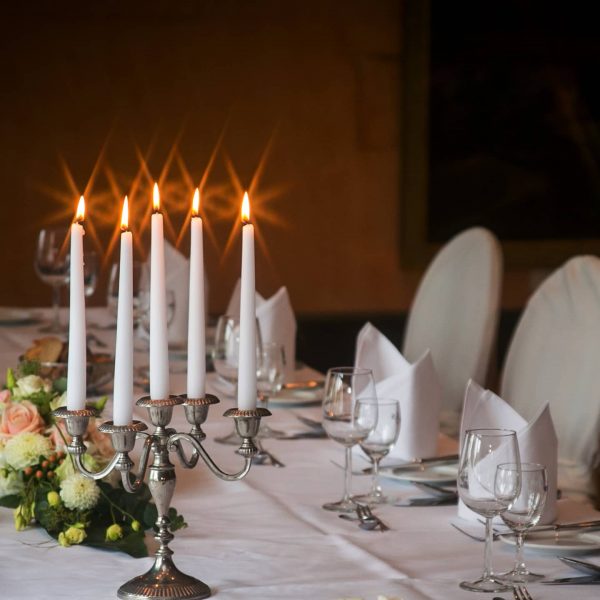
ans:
(455, 314)
(554, 357)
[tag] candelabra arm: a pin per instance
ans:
(175, 444)
(186, 463)
(78, 458)
(134, 486)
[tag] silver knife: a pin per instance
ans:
(419, 463)
(589, 580)
(589, 569)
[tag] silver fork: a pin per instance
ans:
(477, 538)
(520, 593)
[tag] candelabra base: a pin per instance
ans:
(165, 581)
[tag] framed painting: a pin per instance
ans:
(500, 128)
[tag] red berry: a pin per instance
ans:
(39, 474)
(45, 464)
(28, 471)
(52, 458)
(50, 474)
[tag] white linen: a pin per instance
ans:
(267, 537)
(415, 385)
(553, 358)
(276, 320)
(455, 313)
(537, 439)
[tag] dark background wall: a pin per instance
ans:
(312, 85)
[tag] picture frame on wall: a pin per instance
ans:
(500, 127)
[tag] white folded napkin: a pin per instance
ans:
(537, 439)
(177, 279)
(276, 320)
(416, 386)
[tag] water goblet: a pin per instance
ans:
(378, 445)
(112, 292)
(482, 451)
(144, 315)
(225, 356)
(349, 416)
(52, 267)
(524, 512)
(270, 372)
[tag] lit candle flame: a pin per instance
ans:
(246, 209)
(125, 215)
(156, 198)
(196, 203)
(80, 210)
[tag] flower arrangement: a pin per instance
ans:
(39, 481)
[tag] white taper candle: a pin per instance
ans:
(76, 367)
(123, 386)
(159, 348)
(247, 351)
(196, 368)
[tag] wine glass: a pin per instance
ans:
(144, 314)
(379, 443)
(270, 372)
(91, 265)
(349, 416)
(112, 292)
(524, 511)
(52, 267)
(225, 355)
(482, 451)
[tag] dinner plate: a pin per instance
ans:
(561, 543)
(16, 316)
(297, 397)
(432, 474)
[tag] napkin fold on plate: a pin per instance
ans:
(416, 386)
(537, 439)
(276, 320)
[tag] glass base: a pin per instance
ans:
(53, 328)
(233, 439)
(488, 584)
(519, 576)
(343, 506)
(265, 432)
(373, 499)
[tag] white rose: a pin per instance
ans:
(31, 384)
(10, 483)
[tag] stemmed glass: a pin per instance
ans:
(112, 293)
(524, 512)
(91, 266)
(379, 443)
(349, 416)
(270, 372)
(225, 357)
(52, 267)
(482, 451)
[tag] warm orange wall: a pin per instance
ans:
(322, 78)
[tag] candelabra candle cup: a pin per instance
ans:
(163, 580)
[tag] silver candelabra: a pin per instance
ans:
(164, 580)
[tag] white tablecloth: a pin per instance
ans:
(267, 536)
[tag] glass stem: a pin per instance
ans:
(487, 556)
(56, 306)
(519, 562)
(348, 474)
(375, 483)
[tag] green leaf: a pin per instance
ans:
(10, 379)
(133, 543)
(10, 501)
(28, 367)
(177, 520)
(99, 404)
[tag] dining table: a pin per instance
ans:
(267, 536)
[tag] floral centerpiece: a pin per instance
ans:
(39, 481)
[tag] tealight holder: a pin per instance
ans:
(164, 580)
